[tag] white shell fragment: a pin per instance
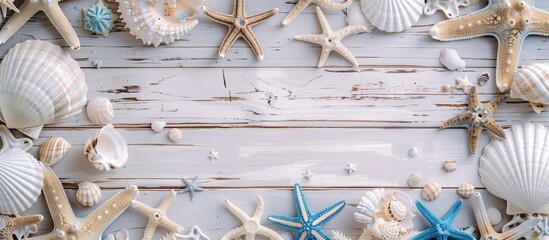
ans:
(483, 78)
(100, 111)
(466, 190)
(413, 152)
(39, 84)
(449, 7)
(531, 83)
(494, 216)
(107, 150)
(158, 126)
(355, 16)
(53, 150)
(451, 60)
(21, 181)
(449, 166)
(393, 15)
(88, 193)
(120, 235)
(415, 180)
(431, 191)
(175, 135)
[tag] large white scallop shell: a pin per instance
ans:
(107, 150)
(531, 83)
(366, 208)
(88, 193)
(52, 150)
(39, 84)
(392, 15)
(21, 181)
(516, 169)
(100, 111)
(355, 16)
(451, 60)
(145, 22)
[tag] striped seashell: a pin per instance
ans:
(100, 111)
(355, 16)
(466, 190)
(387, 230)
(415, 180)
(107, 150)
(451, 60)
(88, 193)
(392, 15)
(366, 208)
(52, 150)
(395, 210)
(531, 83)
(431, 191)
(494, 216)
(449, 166)
(175, 135)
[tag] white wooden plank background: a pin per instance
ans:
(272, 120)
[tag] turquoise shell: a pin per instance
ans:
(99, 19)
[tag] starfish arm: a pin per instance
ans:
(9, 4)
(170, 225)
(259, 208)
(250, 236)
(253, 42)
(239, 9)
(474, 134)
(429, 216)
(430, 233)
(235, 233)
(150, 229)
(538, 22)
(507, 59)
(229, 40)
(323, 21)
(142, 208)
(16, 21)
(481, 217)
(457, 234)
(494, 105)
(167, 202)
(350, 30)
(260, 17)
(323, 56)
(319, 235)
(241, 215)
(333, 6)
(62, 24)
(311, 38)
(474, 103)
(55, 196)
(19, 222)
(272, 235)
(493, 127)
(218, 17)
(522, 230)
(452, 212)
(328, 213)
(286, 222)
(296, 10)
(301, 203)
(465, 27)
(347, 54)
(464, 119)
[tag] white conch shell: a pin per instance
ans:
(431, 191)
(39, 84)
(145, 22)
(516, 169)
(107, 150)
(88, 193)
(392, 15)
(449, 7)
(451, 60)
(466, 190)
(531, 83)
(100, 111)
(366, 208)
(415, 180)
(52, 150)
(21, 181)
(120, 235)
(355, 16)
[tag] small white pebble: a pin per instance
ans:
(413, 152)
(158, 126)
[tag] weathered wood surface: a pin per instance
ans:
(274, 119)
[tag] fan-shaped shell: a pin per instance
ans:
(366, 208)
(100, 111)
(516, 169)
(21, 181)
(451, 60)
(494, 216)
(392, 15)
(431, 191)
(107, 150)
(415, 180)
(39, 84)
(387, 231)
(88, 193)
(145, 22)
(531, 83)
(466, 190)
(355, 16)
(52, 150)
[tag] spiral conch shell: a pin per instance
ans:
(88, 193)
(531, 83)
(107, 150)
(52, 150)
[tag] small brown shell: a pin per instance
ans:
(431, 191)
(88, 193)
(52, 150)
(466, 190)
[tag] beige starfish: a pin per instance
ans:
(240, 26)
(330, 40)
(9, 224)
(302, 4)
(478, 118)
(251, 226)
(157, 216)
(510, 21)
(53, 12)
(5, 4)
(67, 225)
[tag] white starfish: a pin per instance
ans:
(308, 174)
(251, 226)
(351, 168)
(464, 84)
(5, 4)
(157, 216)
(302, 4)
(213, 155)
(330, 40)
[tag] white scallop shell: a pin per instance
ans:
(145, 22)
(158, 126)
(392, 15)
(449, 166)
(175, 135)
(107, 150)
(466, 190)
(88, 193)
(355, 16)
(52, 150)
(531, 83)
(39, 84)
(415, 180)
(100, 110)
(21, 181)
(494, 216)
(516, 169)
(431, 191)
(366, 208)
(451, 60)
(449, 7)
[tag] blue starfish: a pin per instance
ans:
(441, 229)
(191, 187)
(307, 226)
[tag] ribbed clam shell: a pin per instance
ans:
(39, 84)
(387, 231)
(516, 169)
(175, 135)
(145, 22)
(100, 111)
(355, 16)
(392, 15)
(431, 191)
(415, 180)
(88, 193)
(466, 190)
(52, 150)
(21, 181)
(531, 83)
(494, 216)
(451, 60)
(395, 210)
(449, 7)
(158, 126)
(107, 150)
(366, 208)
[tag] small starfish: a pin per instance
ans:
(307, 226)
(9, 224)
(351, 168)
(441, 229)
(191, 187)
(53, 12)
(464, 84)
(302, 4)
(240, 26)
(157, 216)
(213, 155)
(488, 232)
(478, 118)
(510, 21)
(5, 4)
(308, 174)
(251, 226)
(330, 40)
